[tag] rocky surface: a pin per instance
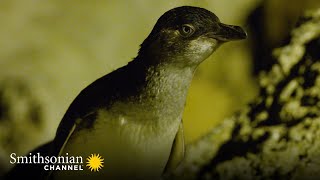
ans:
(278, 135)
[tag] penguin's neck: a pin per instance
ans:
(164, 89)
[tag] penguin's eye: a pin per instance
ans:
(187, 30)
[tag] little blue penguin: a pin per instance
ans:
(132, 116)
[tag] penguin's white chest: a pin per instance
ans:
(131, 148)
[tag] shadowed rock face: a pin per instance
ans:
(276, 136)
(271, 23)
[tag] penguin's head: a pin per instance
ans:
(188, 35)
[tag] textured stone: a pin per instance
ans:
(278, 135)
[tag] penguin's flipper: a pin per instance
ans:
(65, 141)
(177, 151)
(57, 150)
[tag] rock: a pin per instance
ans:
(278, 135)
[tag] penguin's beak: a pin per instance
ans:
(226, 33)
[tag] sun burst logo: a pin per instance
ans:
(94, 162)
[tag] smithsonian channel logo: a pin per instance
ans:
(94, 162)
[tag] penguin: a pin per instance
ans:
(132, 117)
